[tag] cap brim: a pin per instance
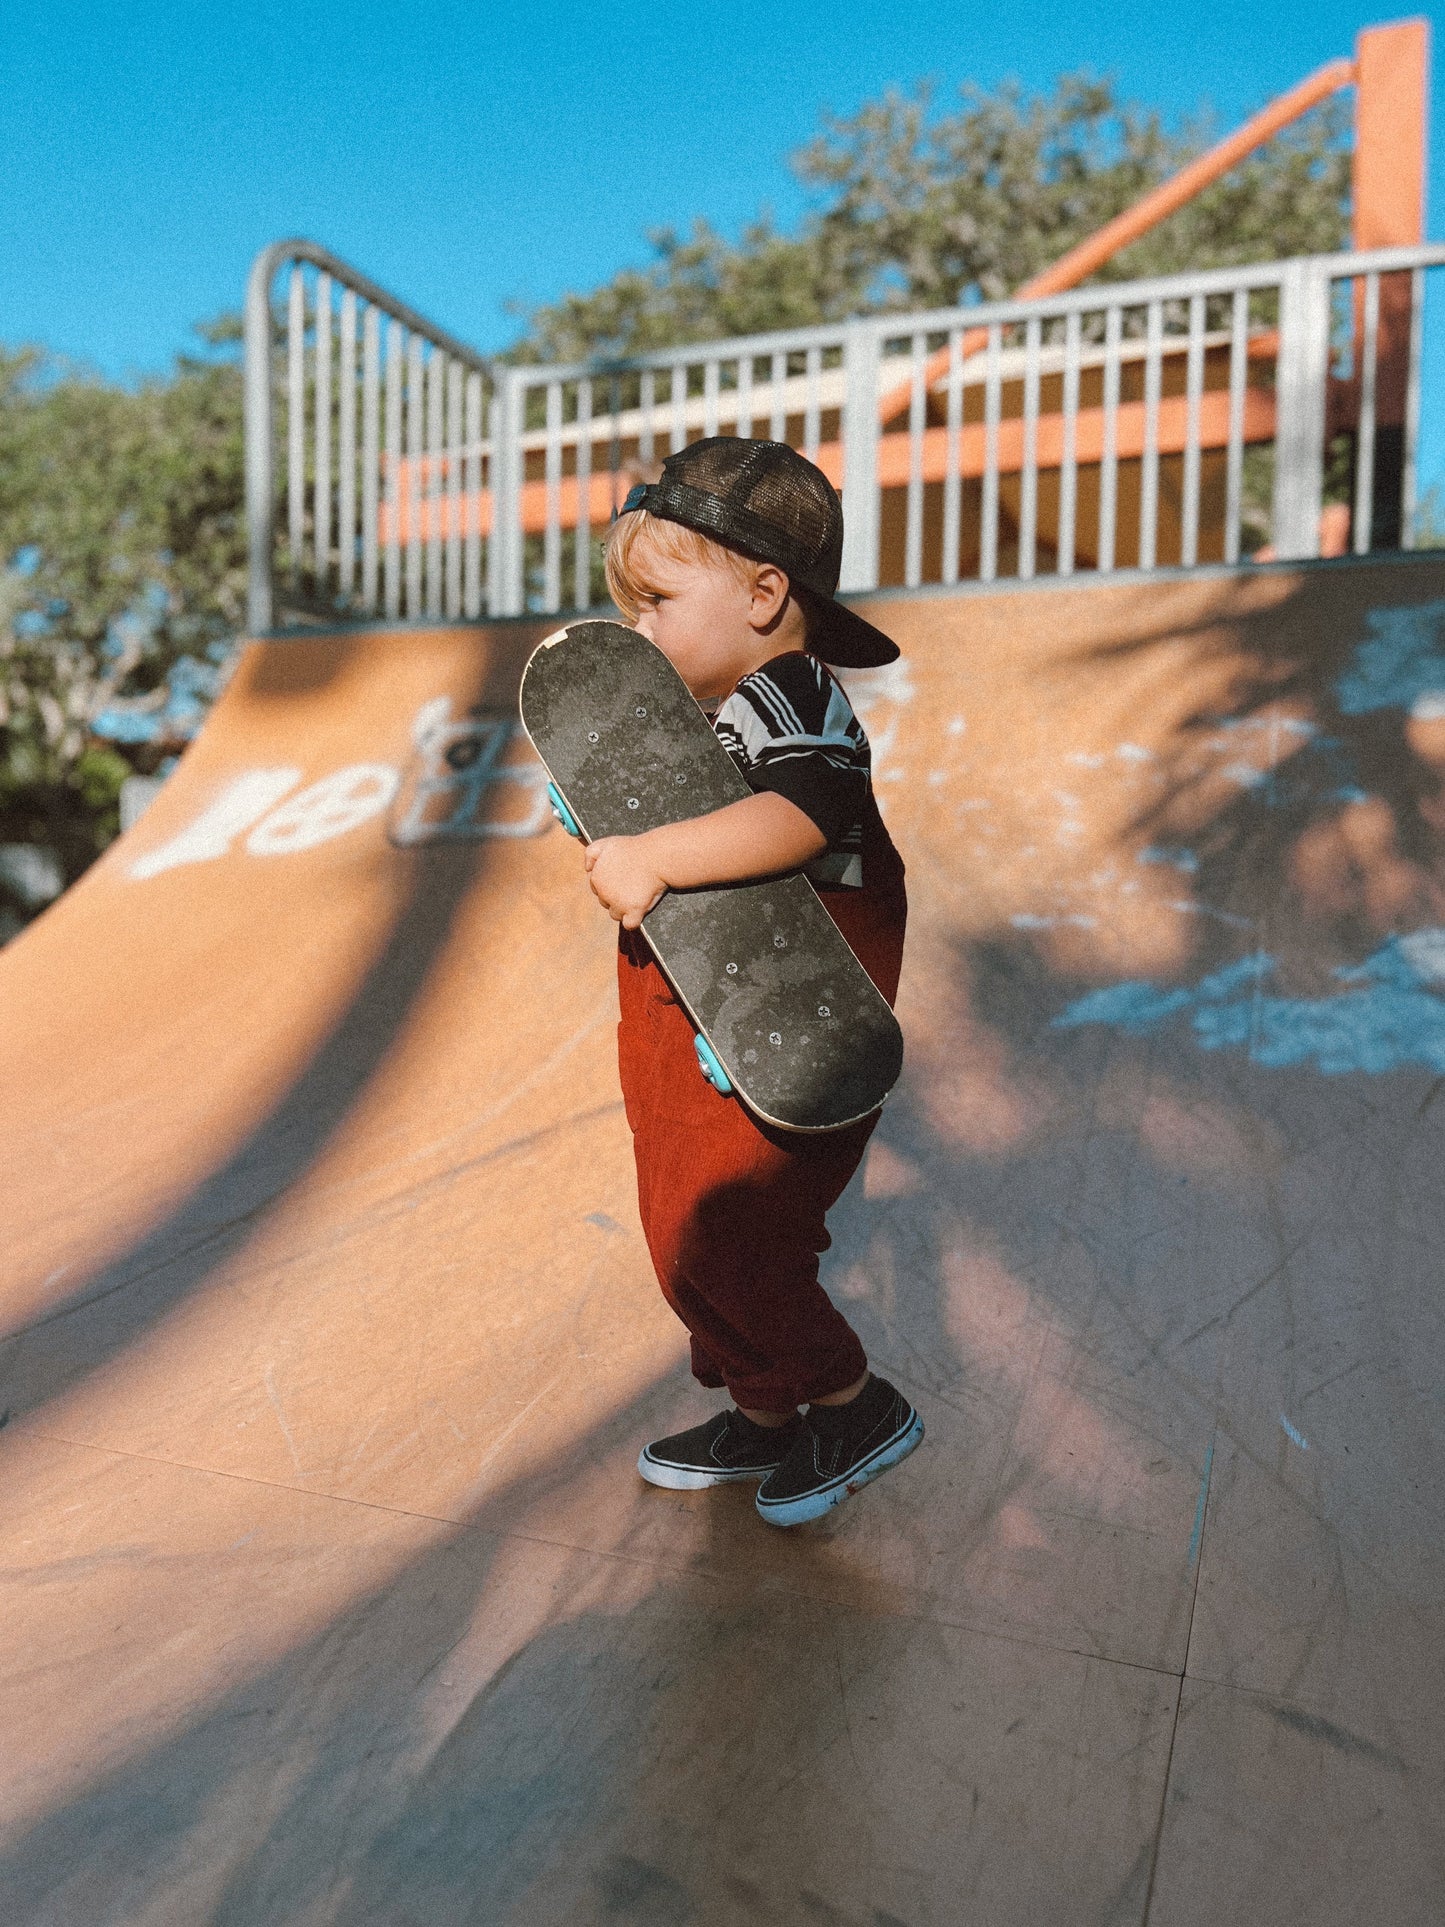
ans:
(841, 637)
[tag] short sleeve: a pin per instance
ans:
(792, 731)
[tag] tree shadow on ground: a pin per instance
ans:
(116, 1306)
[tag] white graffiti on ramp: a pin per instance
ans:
(240, 804)
(460, 762)
(337, 803)
(340, 802)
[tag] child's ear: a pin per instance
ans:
(770, 596)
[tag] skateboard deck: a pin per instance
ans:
(787, 1017)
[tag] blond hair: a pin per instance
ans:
(638, 542)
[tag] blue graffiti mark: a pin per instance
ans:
(1293, 1434)
(1390, 1012)
(1245, 774)
(1140, 1006)
(1424, 954)
(173, 712)
(1323, 770)
(1200, 1503)
(1402, 663)
(1025, 920)
(1186, 907)
(1269, 725)
(1176, 857)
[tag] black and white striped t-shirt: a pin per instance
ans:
(790, 729)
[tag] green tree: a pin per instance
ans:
(123, 544)
(916, 208)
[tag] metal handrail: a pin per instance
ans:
(1101, 427)
(1252, 277)
(259, 413)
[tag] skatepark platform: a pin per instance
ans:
(330, 1592)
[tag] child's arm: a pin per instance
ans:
(757, 837)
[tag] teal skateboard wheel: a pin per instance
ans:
(708, 1064)
(560, 810)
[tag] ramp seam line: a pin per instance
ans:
(611, 1555)
(1196, 1559)
(249, 1478)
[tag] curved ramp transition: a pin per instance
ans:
(330, 1592)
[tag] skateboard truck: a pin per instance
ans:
(710, 1065)
(560, 810)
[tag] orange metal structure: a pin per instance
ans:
(1390, 76)
(1081, 261)
(1391, 105)
(1389, 72)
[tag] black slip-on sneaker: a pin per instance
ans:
(840, 1449)
(725, 1449)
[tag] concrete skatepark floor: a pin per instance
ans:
(331, 1595)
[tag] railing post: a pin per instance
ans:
(1409, 478)
(260, 452)
(861, 344)
(1299, 433)
(504, 558)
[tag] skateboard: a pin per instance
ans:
(786, 1017)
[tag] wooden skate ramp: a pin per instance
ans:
(330, 1591)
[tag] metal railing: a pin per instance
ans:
(386, 468)
(1270, 409)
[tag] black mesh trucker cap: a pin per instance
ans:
(769, 502)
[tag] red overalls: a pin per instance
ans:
(733, 1210)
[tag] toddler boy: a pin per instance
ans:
(729, 565)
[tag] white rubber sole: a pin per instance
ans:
(685, 1478)
(812, 1505)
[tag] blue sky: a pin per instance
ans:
(468, 156)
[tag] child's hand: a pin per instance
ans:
(624, 878)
